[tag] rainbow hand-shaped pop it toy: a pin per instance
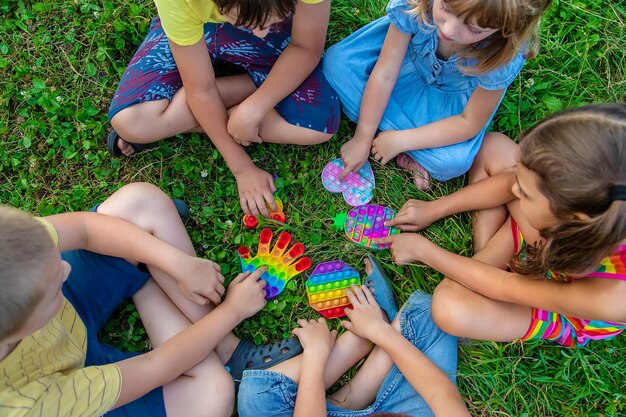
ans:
(251, 221)
(326, 288)
(281, 266)
(357, 188)
(366, 222)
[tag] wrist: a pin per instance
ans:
(315, 357)
(383, 333)
(242, 168)
(255, 107)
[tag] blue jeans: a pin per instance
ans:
(267, 393)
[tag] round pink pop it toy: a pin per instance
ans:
(357, 188)
(366, 222)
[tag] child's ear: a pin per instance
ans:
(581, 216)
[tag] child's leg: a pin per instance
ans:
(207, 389)
(497, 154)
(151, 121)
(462, 312)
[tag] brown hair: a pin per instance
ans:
(578, 155)
(517, 22)
(255, 13)
(25, 247)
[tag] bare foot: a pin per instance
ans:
(421, 177)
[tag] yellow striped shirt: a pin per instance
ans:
(45, 374)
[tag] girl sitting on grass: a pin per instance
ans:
(430, 75)
(557, 220)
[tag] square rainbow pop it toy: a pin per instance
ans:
(281, 266)
(366, 222)
(326, 288)
(357, 188)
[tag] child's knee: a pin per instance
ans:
(137, 202)
(216, 391)
(448, 307)
(133, 126)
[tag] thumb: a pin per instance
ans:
(239, 278)
(333, 333)
(198, 299)
(383, 240)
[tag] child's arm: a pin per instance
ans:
(491, 192)
(199, 279)
(455, 129)
(591, 298)
(366, 320)
(378, 89)
(255, 186)
(182, 352)
(317, 342)
(294, 65)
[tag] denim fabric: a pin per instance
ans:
(267, 393)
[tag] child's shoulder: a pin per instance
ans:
(50, 362)
(502, 76)
(401, 15)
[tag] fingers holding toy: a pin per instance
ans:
(413, 216)
(385, 147)
(354, 153)
(404, 247)
(256, 191)
(315, 337)
(246, 293)
(365, 315)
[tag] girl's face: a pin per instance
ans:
(533, 203)
(452, 28)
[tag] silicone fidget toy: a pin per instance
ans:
(251, 222)
(281, 266)
(366, 222)
(326, 288)
(357, 188)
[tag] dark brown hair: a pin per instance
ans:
(578, 155)
(25, 247)
(517, 22)
(255, 13)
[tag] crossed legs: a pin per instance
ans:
(207, 389)
(152, 121)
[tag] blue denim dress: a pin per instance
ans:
(428, 89)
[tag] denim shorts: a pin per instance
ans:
(152, 73)
(268, 393)
(96, 286)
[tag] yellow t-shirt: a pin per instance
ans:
(183, 20)
(45, 374)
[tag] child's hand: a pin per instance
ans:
(246, 294)
(315, 337)
(414, 215)
(200, 280)
(256, 191)
(386, 146)
(354, 153)
(404, 246)
(243, 125)
(366, 317)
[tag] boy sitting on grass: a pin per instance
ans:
(61, 278)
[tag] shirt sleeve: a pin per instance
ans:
(50, 229)
(180, 23)
(399, 12)
(503, 76)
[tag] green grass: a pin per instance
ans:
(60, 62)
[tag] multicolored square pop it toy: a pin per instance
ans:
(326, 288)
(357, 188)
(251, 221)
(366, 222)
(281, 266)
